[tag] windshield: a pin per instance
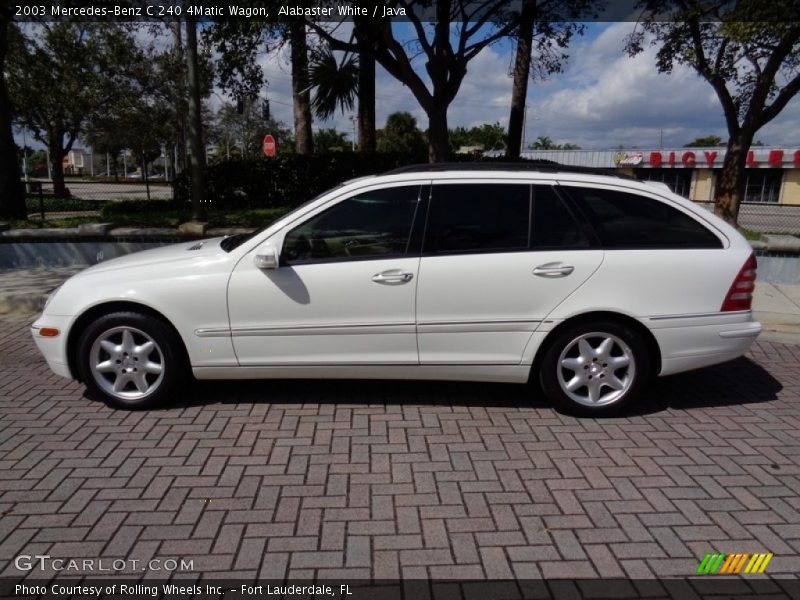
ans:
(234, 241)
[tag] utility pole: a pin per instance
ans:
(195, 123)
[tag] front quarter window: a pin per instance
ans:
(373, 224)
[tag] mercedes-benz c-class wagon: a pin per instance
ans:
(587, 284)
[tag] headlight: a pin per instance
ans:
(50, 297)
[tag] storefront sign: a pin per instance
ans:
(710, 159)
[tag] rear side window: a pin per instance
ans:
(624, 220)
(478, 218)
(552, 223)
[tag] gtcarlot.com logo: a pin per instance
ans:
(45, 562)
(720, 563)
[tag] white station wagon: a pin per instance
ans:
(586, 283)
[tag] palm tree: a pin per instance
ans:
(364, 32)
(335, 84)
(338, 84)
(543, 142)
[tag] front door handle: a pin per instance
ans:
(392, 277)
(553, 269)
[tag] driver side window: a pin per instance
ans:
(374, 224)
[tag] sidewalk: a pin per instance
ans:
(777, 306)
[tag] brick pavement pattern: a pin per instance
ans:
(388, 479)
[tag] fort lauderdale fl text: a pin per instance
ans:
(123, 589)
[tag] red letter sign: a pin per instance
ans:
(655, 159)
(775, 158)
(710, 158)
(688, 159)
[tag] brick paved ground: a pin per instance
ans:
(347, 479)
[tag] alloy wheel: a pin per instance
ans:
(596, 369)
(126, 363)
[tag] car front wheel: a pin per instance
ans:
(595, 369)
(131, 360)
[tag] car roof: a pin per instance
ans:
(528, 166)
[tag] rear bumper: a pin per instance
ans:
(688, 343)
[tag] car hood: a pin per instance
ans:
(184, 251)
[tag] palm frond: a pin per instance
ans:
(335, 85)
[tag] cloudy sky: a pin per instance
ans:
(603, 99)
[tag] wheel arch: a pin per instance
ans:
(98, 310)
(650, 341)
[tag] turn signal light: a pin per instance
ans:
(49, 332)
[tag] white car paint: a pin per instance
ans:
(478, 317)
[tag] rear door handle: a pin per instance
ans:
(553, 269)
(392, 277)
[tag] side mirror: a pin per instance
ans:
(267, 257)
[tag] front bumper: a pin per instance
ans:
(54, 349)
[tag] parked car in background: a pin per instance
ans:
(587, 283)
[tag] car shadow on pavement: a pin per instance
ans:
(364, 392)
(739, 382)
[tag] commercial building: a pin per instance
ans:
(773, 174)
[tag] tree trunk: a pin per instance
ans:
(56, 155)
(12, 194)
(519, 90)
(195, 123)
(366, 104)
(438, 136)
(301, 88)
(729, 190)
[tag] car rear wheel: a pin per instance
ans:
(131, 360)
(595, 369)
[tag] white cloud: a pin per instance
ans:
(606, 98)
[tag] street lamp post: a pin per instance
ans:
(524, 126)
(25, 155)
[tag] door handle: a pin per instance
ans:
(392, 277)
(553, 269)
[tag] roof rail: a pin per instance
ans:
(542, 166)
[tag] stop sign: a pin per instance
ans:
(269, 146)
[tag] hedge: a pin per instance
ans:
(53, 204)
(286, 180)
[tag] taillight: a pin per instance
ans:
(740, 296)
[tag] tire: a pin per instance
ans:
(142, 361)
(578, 375)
